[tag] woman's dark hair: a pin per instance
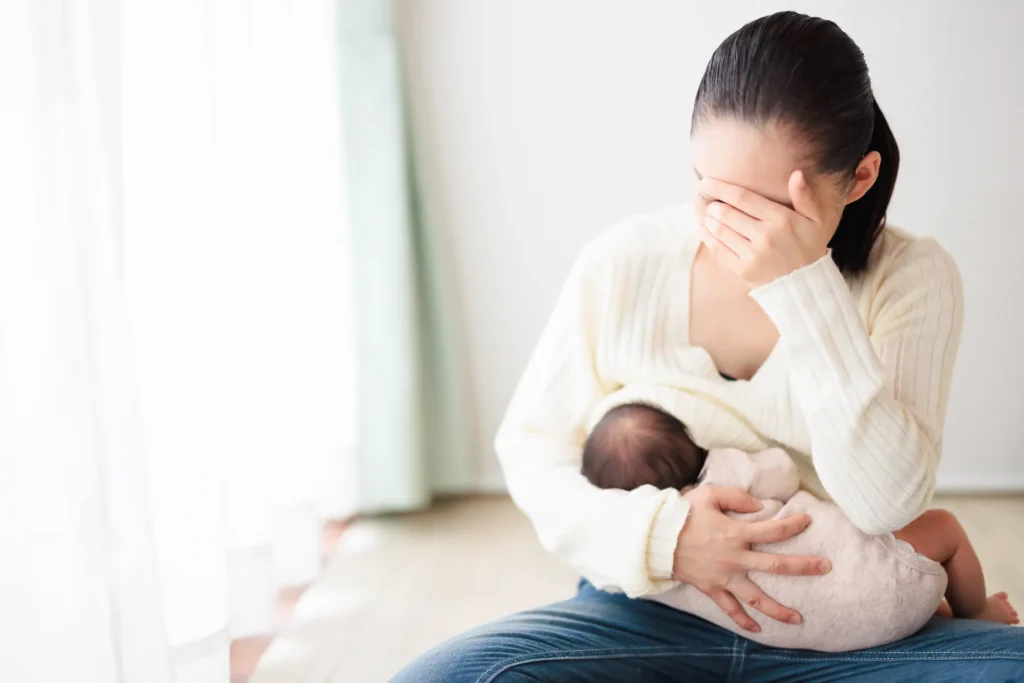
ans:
(807, 73)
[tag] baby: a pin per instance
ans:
(880, 589)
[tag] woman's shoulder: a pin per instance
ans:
(899, 251)
(660, 234)
(904, 266)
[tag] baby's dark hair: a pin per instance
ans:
(636, 444)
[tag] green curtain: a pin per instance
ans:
(412, 419)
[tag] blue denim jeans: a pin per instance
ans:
(598, 636)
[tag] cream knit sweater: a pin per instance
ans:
(856, 390)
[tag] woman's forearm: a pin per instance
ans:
(608, 535)
(603, 534)
(874, 404)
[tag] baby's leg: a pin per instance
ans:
(937, 534)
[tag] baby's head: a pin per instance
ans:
(636, 444)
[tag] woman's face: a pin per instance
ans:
(760, 159)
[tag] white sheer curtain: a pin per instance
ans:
(175, 364)
(80, 597)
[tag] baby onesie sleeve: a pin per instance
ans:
(768, 474)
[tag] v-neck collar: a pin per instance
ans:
(691, 249)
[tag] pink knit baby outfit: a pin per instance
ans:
(879, 589)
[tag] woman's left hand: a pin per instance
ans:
(758, 239)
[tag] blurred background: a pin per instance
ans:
(270, 270)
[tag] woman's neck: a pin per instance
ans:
(714, 274)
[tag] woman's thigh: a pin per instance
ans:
(945, 650)
(594, 636)
(598, 637)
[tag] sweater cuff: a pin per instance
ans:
(819, 324)
(792, 294)
(661, 543)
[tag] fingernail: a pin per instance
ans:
(754, 628)
(824, 566)
(795, 619)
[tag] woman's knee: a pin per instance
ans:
(471, 658)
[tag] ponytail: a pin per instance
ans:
(863, 219)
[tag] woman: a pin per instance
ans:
(794, 316)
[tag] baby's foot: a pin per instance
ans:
(999, 609)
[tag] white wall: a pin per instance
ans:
(543, 121)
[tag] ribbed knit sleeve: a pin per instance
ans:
(874, 397)
(609, 536)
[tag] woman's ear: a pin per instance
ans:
(864, 176)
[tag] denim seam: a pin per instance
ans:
(896, 657)
(739, 649)
(610, 653)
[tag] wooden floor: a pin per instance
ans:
(398, 585)
(246, 652)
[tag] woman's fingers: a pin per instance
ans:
(722, 253)
(737, 243)
(747, 592)
(746, 201)
(790, 565)
(745, 226)
(733, 499)
(774, 530)
(731, 606)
